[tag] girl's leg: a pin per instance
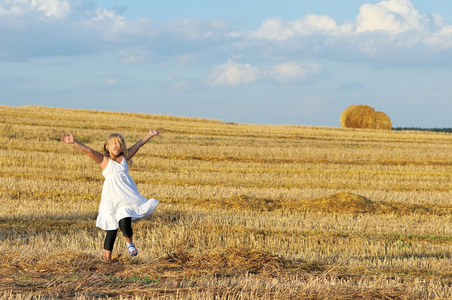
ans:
(109, 243)
(125, 225)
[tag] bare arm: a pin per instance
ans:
(133, 150)
(96, 156)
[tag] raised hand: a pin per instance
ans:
(154, 132)
(68, 139)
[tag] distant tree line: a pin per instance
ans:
(449, 130)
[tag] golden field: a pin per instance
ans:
(246, 211)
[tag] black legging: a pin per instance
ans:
(125, 225)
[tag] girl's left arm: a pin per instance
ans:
(133, 150)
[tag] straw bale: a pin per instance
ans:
(384, 122)
(364, 116)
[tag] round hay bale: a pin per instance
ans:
(364, 116)
(384, 122)
(358, 116)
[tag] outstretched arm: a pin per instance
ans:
(133, 150)
(96, 156)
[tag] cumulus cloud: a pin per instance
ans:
(387, 32)
(440, 40)
(292, 72)
(396, 16)
(56, 8)
(279, 30)
(58, 27)
(117, 28)
(233, 73)
(49, 8)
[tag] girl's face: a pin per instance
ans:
(115, 148)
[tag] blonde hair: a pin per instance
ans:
(116, 137)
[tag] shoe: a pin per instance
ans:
(132, 250)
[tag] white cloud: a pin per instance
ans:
(56, 8)
(395, 16)
(105, 17)
(440, 40)
(293, 72)
(233, 74)
(319, 23)
(50, 8)
(385, 33)
(118, 29)
(279, 30)
(272, 29)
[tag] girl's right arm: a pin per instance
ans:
(96, 156)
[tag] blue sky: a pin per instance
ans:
(298, 62)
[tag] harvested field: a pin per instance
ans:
(246, 212)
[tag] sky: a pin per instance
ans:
(298, 62)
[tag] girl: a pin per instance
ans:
(120, 202)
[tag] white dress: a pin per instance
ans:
(120, 197)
